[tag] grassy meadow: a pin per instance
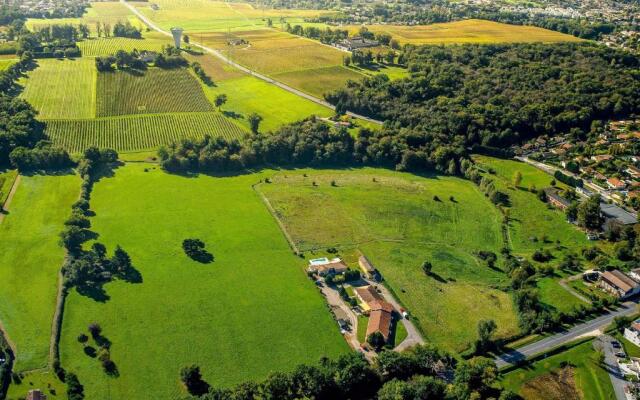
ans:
(154, 91)
(469, 31)
(62, 89)
(395, 221)
(30, 259)
(251, 311)
(584, 378)
(6, 182)
(133, 133)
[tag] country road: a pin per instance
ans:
(581, 330)
(265, 78)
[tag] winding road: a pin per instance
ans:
(585, 329)
(242, 68)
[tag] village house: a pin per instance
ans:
(556, 200)
(633, 171)
(632, 333)
(618, 284)
(324, 266)
(615, 183)
(380, 311)
(601, 157)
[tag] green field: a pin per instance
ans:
(251, 311)
(44, 380)
(468, 31)
(538, 381)
(154, 91)
(140, 132)
(5, 64)
(62, 89)
(107, 46)
(395, 221)
(318, 81)
(6, 181)
(30, 259)
(555, 295)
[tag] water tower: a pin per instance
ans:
(177, 36)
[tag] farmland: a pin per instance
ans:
(30, 259)
(394, 219)
(583, 377)
(130, 133)
(62, 89)
(208, 16)
(107, 46)
(469, 31)
(251, 311)
(154, 91)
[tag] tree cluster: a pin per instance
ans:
(201, 73)
(568, 180)
(170, 58)
(494, 95)
(328, 35)
(43, 156)
(126, 30)
(413, 374)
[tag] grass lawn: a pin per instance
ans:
(30, 259)
(555, 295)
(530, 218)
(251, 311)
(589, 380)
(62, 89)
(277, 106)
(6, 181)
(469, 31)
(43, 380)
(363, 320)
(393, 219)
(155, 91)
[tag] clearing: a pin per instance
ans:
(397, 222)
(30, 259)
(251, 311)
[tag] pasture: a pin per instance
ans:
(30, 259)
(154, 91)
(469, 31)
(6, 182)
(106, 46)
(207, 16)
(584, 378)
(251, 311)
(397, 222)
(317, 81)
(140, 132)
(62, 89)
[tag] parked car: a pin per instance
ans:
(615, 344)
(621, 354)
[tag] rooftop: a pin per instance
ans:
(619, 280)
(620, 215)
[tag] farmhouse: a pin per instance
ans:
(356, 43)
(380, 311)
(366, 267)
(632, 333)
(366, 296)
(618, 284)
(324, 266)
(556, 200)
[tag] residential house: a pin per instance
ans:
(324, 266)
(367, 295)
(36, 394)
(380, 311)
(556, 200)
(615, 183)
(618, 284)
(584, 192)
(367, 268)
(633, 171)
(632, 333)
(601, 157)
(356, 43)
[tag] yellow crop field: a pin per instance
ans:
(205, 15)
(469, 31)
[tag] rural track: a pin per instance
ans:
(586, 328)
(244, 69)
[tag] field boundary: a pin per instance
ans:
(273, 213)
(12, 192)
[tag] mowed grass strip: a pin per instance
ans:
(469, 31)
(399, 221)
(154, 91)
(62, 89)
(251, 311)
(30, 259)
(141, 132)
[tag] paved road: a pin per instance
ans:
(265, 78)
(611, 365)
(524, 352)
(413, 335)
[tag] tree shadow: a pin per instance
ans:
(94, 292)
(131, 275)
(437, 277)
(232, 114)
(90, 351)
(202, 256)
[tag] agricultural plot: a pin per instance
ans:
(469, 31)
(107, 46)
(249, 312)
(30, 259)
(318, 81)
(5, 64)
(582, 377)
(131, 133)
(398, 221)
(62, 89)
(154, 91)
(204, 15)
